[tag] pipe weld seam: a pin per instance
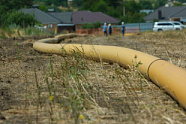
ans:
(150, 65)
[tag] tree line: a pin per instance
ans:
(125, 10)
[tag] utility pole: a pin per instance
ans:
(123, 11)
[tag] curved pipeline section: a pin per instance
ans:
(166, 75)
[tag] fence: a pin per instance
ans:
(138, 26)
(130, 28)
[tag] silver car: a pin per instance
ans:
(167, 25)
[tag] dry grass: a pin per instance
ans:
(18, 32)
(40, 88)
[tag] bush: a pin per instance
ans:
(94, 25)
(97, 24)
(19, 19)
(87, 25)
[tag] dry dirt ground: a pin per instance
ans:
(136, 100)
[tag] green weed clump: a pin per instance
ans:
(8, 32)
(76, 97)
(2, 35)
(5, 33)
(70, 91)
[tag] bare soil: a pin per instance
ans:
(21, 68)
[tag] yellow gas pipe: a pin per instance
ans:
(166, 75)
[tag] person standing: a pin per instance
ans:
(105, 29)
(110, 29)
(123, 29)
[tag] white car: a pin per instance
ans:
(179, 23)
(167, 25)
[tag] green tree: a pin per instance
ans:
(101, 6)
(182, 1)
(159, 3)
(131, 6)
(89, 4)
(49, 2)
(18, 18)
(146, 4)
(132, 18)
(116, 12)
(177, 4)
(114, 3)
(7, 6)
(78, 3)
(56, 2)
(43, 8)
(3, 6)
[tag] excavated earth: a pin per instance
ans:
(20, 63)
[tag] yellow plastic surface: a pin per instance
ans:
(170, 78)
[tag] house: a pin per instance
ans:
(53, 20)
(68, 21)
(81, 17)
(173, 13)
(47, 20)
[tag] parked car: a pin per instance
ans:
(167, 25)
(179, 23)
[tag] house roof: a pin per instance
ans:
(64, 17)
(81, 17)
(167, 12)
(41, 16)
(180, 14)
